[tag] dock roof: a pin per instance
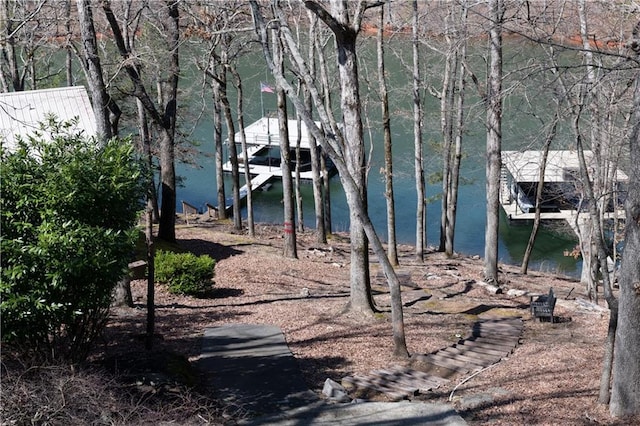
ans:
(524, 166)
(22, 112)
(265, 132)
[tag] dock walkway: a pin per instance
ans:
(256, 182)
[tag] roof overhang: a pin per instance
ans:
(524, 166)
(265, 131)
(22, 112)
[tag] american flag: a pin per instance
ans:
(265, 88)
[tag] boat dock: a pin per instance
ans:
(520, 179)
(263, 149)
(263, 154)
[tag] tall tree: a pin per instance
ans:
(68, 48)
(625, 393)
(331, 138)
(164, 115)
(26, 28)
(494, 140)
(243, 144)
(345, 28)
(99, 96)
(452, 113)
(328, 104)
(290, 248)
(220, 82)
(321, 233)
(219, 29)
(447, 102)
(145, 142)
(392, 247)
(218, 142)
(418, 123)
(539, 191)
(210, 25)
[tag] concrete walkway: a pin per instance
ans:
(252, 370)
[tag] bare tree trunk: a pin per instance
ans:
(454, 180)
(9, 50)
(68, 50)
(91, 62)
(418, 116)
(321, 233)
(625, 394)
(392, 248)
(243, 145)
(597, 240)
(6, 45)
(145, 141)
(447, 100)
(326, 96)
(326, 195)
(233, 158)
(299, 203)
(536, 221)
(361, 299)
(290, 248)
(219, 149)
(221, 81)
(494, 141)
(167, 226)
(451, 174)
(589, 253)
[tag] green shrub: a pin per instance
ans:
(184, 273)
(68, 211)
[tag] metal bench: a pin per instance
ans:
(543, 306)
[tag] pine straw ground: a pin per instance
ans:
(552, 377)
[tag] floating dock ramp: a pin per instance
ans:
(257, 182)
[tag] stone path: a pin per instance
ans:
(253, 371)
(489, 342)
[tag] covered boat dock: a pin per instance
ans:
(263, 153)
(561, 190)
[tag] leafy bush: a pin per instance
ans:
(185, 273)
(68, 211)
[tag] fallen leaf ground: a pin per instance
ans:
(552, 377)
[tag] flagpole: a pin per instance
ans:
(261, 102)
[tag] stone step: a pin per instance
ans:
(491, 340)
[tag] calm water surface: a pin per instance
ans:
(198, 183)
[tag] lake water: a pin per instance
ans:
(198, 183)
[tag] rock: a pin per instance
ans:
(589, 306)
(475, 401)
(470, 402)
(516, 293)
(489, 287)
(335, 391)
(493, 289)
